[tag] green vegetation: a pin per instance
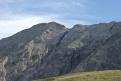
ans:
(88, 76)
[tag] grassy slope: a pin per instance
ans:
(88, 76)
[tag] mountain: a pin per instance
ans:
(109, 75)
(51, 49)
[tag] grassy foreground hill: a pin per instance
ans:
(88, 76)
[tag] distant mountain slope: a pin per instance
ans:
(51, 49)
(88, 76)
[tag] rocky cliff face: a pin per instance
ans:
(3, 62)
(50, 49)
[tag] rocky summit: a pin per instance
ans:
(51, 49)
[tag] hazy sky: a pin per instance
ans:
(16, 15)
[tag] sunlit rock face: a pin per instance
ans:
(51, 49)
(3, 62)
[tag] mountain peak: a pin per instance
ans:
(53, 22)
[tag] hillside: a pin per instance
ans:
(88, 76)
(50, 49)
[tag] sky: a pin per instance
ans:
(16, 15)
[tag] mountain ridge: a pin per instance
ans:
(51, 49)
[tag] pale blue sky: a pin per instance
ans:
(17, 15)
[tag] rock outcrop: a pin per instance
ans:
(3, 62)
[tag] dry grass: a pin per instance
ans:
(88, 76)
